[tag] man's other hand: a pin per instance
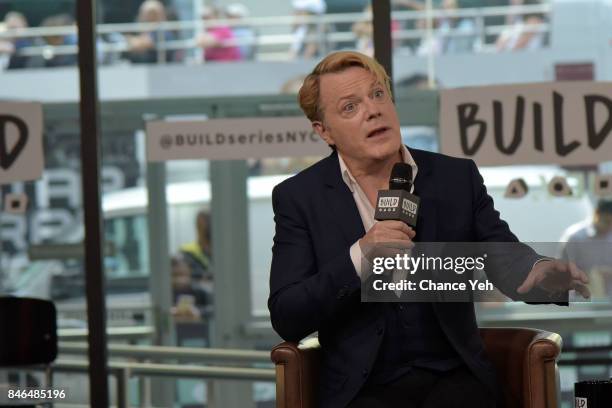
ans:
(556, 276)
(385, 238)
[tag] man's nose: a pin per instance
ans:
(372, 109)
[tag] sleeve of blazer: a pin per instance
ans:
(509, 261)
(304, 295)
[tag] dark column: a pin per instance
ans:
(90, 170)
(383, 51)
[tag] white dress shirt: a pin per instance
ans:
(366, 211)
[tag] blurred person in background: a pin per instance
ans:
(197, 253)
(452, 34)
(218, 41)
(244, 35)
(12, 47)
(192, 306)
(143, 46)
(521, 31)
(589, 242)
(302, 45)
(51, 57)
(364, 32)
(190, 302)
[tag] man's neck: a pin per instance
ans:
(373, 174)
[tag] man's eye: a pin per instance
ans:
(349, 107)
(379, 93)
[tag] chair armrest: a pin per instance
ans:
(526, 363)
(297, 370)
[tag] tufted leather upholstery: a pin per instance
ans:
(525, 359)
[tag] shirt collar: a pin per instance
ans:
(350, 181)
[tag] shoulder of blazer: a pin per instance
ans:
(427, 161)
(324, 172)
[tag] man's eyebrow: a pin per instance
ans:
(349, 96)
(374, 84)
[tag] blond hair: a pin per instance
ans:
(309, 95)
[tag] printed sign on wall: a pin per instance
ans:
(21, 151)
(229, 139)
(567, 123)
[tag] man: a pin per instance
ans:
(383, 354)
(588, 242)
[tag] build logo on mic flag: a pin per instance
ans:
(388, 203)
(397, 205)
(408, 207)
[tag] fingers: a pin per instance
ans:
(579, 287)
(397, 226)
(527, 285)
(398, 244)
(391, 235)
(577, 273)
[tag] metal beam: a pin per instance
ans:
(90, 168)
(160, 283)
(230, 261)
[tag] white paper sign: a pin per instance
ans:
(568, 123)
(229, 139)
(21, 150)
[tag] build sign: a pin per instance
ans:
(228, 139)
(21, 151)
(566, 123)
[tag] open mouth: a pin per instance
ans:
(378, 131)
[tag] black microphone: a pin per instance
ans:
(401, 177)
(398, 203)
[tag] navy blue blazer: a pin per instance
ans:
(314, 286)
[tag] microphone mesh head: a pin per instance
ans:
(401, 177)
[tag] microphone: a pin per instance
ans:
(398, 203)
(401, 177)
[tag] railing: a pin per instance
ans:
(124, 370)
(269, 46)
(113, 333)
(175, 353)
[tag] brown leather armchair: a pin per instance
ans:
(525, 359)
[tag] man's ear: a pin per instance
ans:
(323, 131)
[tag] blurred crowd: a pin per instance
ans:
(226, 36)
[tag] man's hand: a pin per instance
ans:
(556, 276)
(385, 238)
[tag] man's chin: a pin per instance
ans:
(385, 151)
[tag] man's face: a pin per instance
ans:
(359, 117)
(603, 222)
(181, 275)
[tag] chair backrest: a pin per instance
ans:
(526, 364)
(28, 331)
(525, 361)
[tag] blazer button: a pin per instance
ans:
(364, 373)
(379, 331)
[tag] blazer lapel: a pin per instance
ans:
(342, 206)
(424, 188)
